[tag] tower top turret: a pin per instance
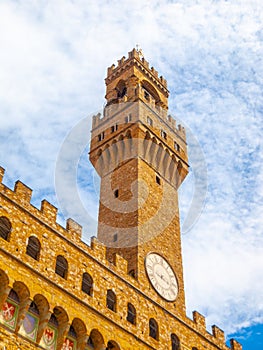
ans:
(134, 79)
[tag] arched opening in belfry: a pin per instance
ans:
(150, 93)
(121, 89)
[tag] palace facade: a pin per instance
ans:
(126, 290)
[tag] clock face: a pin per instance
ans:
(161, 276)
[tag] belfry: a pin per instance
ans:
(126, 290)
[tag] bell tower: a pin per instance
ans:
(141, 156)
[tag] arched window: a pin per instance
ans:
(194, 348)
(87, 283)
(153, 329)
(14, 296)
(9, 313)
(33, 247)
(5, 228)
(131, 313)
(89, 345)
(61, 266)
(112, 345)
(175, 342)
(150, 92)
(111, 300)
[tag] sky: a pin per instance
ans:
(53, 61)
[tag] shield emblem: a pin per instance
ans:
(8, 311)
(49, 336)
(29, 323)
(68, 344)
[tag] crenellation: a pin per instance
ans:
(163, 81)
(111, 69)
(2, 173)
(146, 65)
(49, 211)
(121, 61)
(98, 248)
(23, 193)
(235, 345)
(181, 130)
(133, 53)
(50, 265)
(199, 319)
(135, 57)
(172, 123)
(121, 264)
(154, 72)
(74, 228)
(218, 334)
(96, 120)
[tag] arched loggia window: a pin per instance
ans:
(9, 313)
(30, 323)
(50, 335)
(70, 341)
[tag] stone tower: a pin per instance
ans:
(58, 293)
(141, 157)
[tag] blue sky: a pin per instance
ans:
(53, 61)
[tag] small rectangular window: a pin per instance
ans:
(101, 136)
(114, 128)
(158, 180)
(163, 134)
(116, 193)
(176, 146)
(149, 121)
(128, 118)
(115, 237)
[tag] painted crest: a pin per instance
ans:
(68, 344)
(8, 311)
(49, 335)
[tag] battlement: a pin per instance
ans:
(117, 114)
(135, 57)
(217, 336)
(118, 267)
(48, 214)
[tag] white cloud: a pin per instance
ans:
(54, 56)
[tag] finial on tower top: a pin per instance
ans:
(139, 51)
